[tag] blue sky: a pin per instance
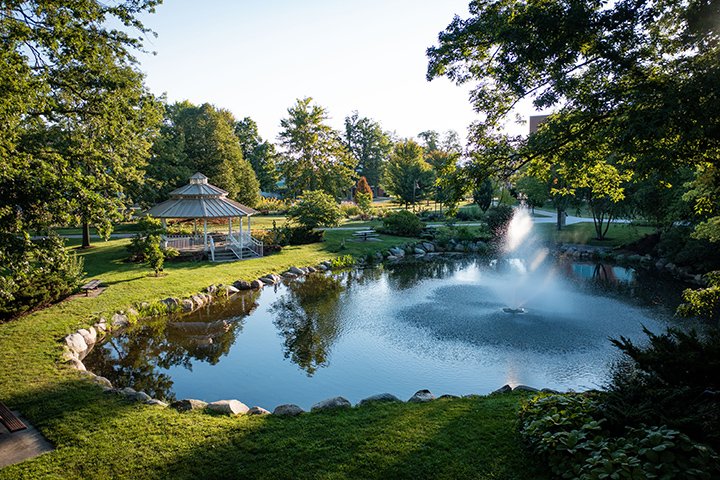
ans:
(256, 58)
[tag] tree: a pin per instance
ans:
(200, 139)
(637, 78)
(363, 187)
(77, 121)
(535, 191)
(315, 209)
(147, 246)
(368, 143)
(407, 175)
(260, 153)
(313, 157)
(483, 194)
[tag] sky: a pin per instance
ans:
(255, 58)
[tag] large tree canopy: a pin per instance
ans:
(407, 175)
(644, 73)
(314, 157)
(200, 139)
(371, 146)
(76, 122)
(260, 153)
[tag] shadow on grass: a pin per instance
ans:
(443, 439)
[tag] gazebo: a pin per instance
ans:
(201, 200)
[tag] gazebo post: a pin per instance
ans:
(230, 228)
(248, 224)
(205, 232)
(241, 234)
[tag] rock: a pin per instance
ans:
(155, 401)
(428, 247)
(289, 275)
(287, 410)
(311, 269)
(69, 355)
(102, 381)
(170, 302)
(231, 290)
(89, 335)
(188, 404)
(242, 285)
(100, 328)
(258, 411)
(524, 388)
(140, 397)
(392, 257)
(550, 390)
(296, 271)
(267, 280)
(322, 267)
(76, 343)
(422, 396)
(380, 397)
(331, 404)
(397, 251)
(212, 289)
(459, 247)
(187, 305)
(77, 364)
(447, 395)
(228, 407)
(197, 300)
(127, 391)
(119, 321)
(131, 312)
(256, 284)
(503, 389)
(419, 251)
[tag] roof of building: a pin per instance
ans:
(199, 199)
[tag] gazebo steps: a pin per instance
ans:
(229, 255)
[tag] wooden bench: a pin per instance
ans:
(366, 234)
(91, 285)
(11, 422)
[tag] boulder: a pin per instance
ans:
(419, 251)
(69, 355)
(188, 404)
(155, 401)
(287, 410)
(89, 335)
(231, 290)
(77, 364)
(428, 247)
(197, 300)
(102, 381)
(212, 289)
(258, 411)
(311, 269)
(296, 271)
(379, 398)
(140, 397)
(119, 321)
(171, 302)
(459, 247)
(503, 389)
(131, 312)
(256, 284)
(267, 280)
(100, 328)
(127, 391)
(322, 267)
(242, 285)
(187, 305)
(289, 275)
(422, 396)
(228, 407)
(392, 257)
(397, 251)
(76, 343)
(525, 388)
(331, 404)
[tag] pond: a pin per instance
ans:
(434, 323)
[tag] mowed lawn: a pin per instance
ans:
(99, 435)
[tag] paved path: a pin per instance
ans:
(22, 445)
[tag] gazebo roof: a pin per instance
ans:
(199, 199)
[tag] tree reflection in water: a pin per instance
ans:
(139, 355)
(410, 272)
(307, 316)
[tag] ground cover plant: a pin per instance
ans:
(103, 436)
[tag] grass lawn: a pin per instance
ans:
(103, 436)
(584, 233)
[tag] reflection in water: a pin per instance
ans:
(138, 357)
(307, 317)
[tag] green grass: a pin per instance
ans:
(103, 436)
(584, 233)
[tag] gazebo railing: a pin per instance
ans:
(182, 242)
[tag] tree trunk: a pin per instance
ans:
(85, 235)
(559, 218)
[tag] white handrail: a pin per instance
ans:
(212, 249)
